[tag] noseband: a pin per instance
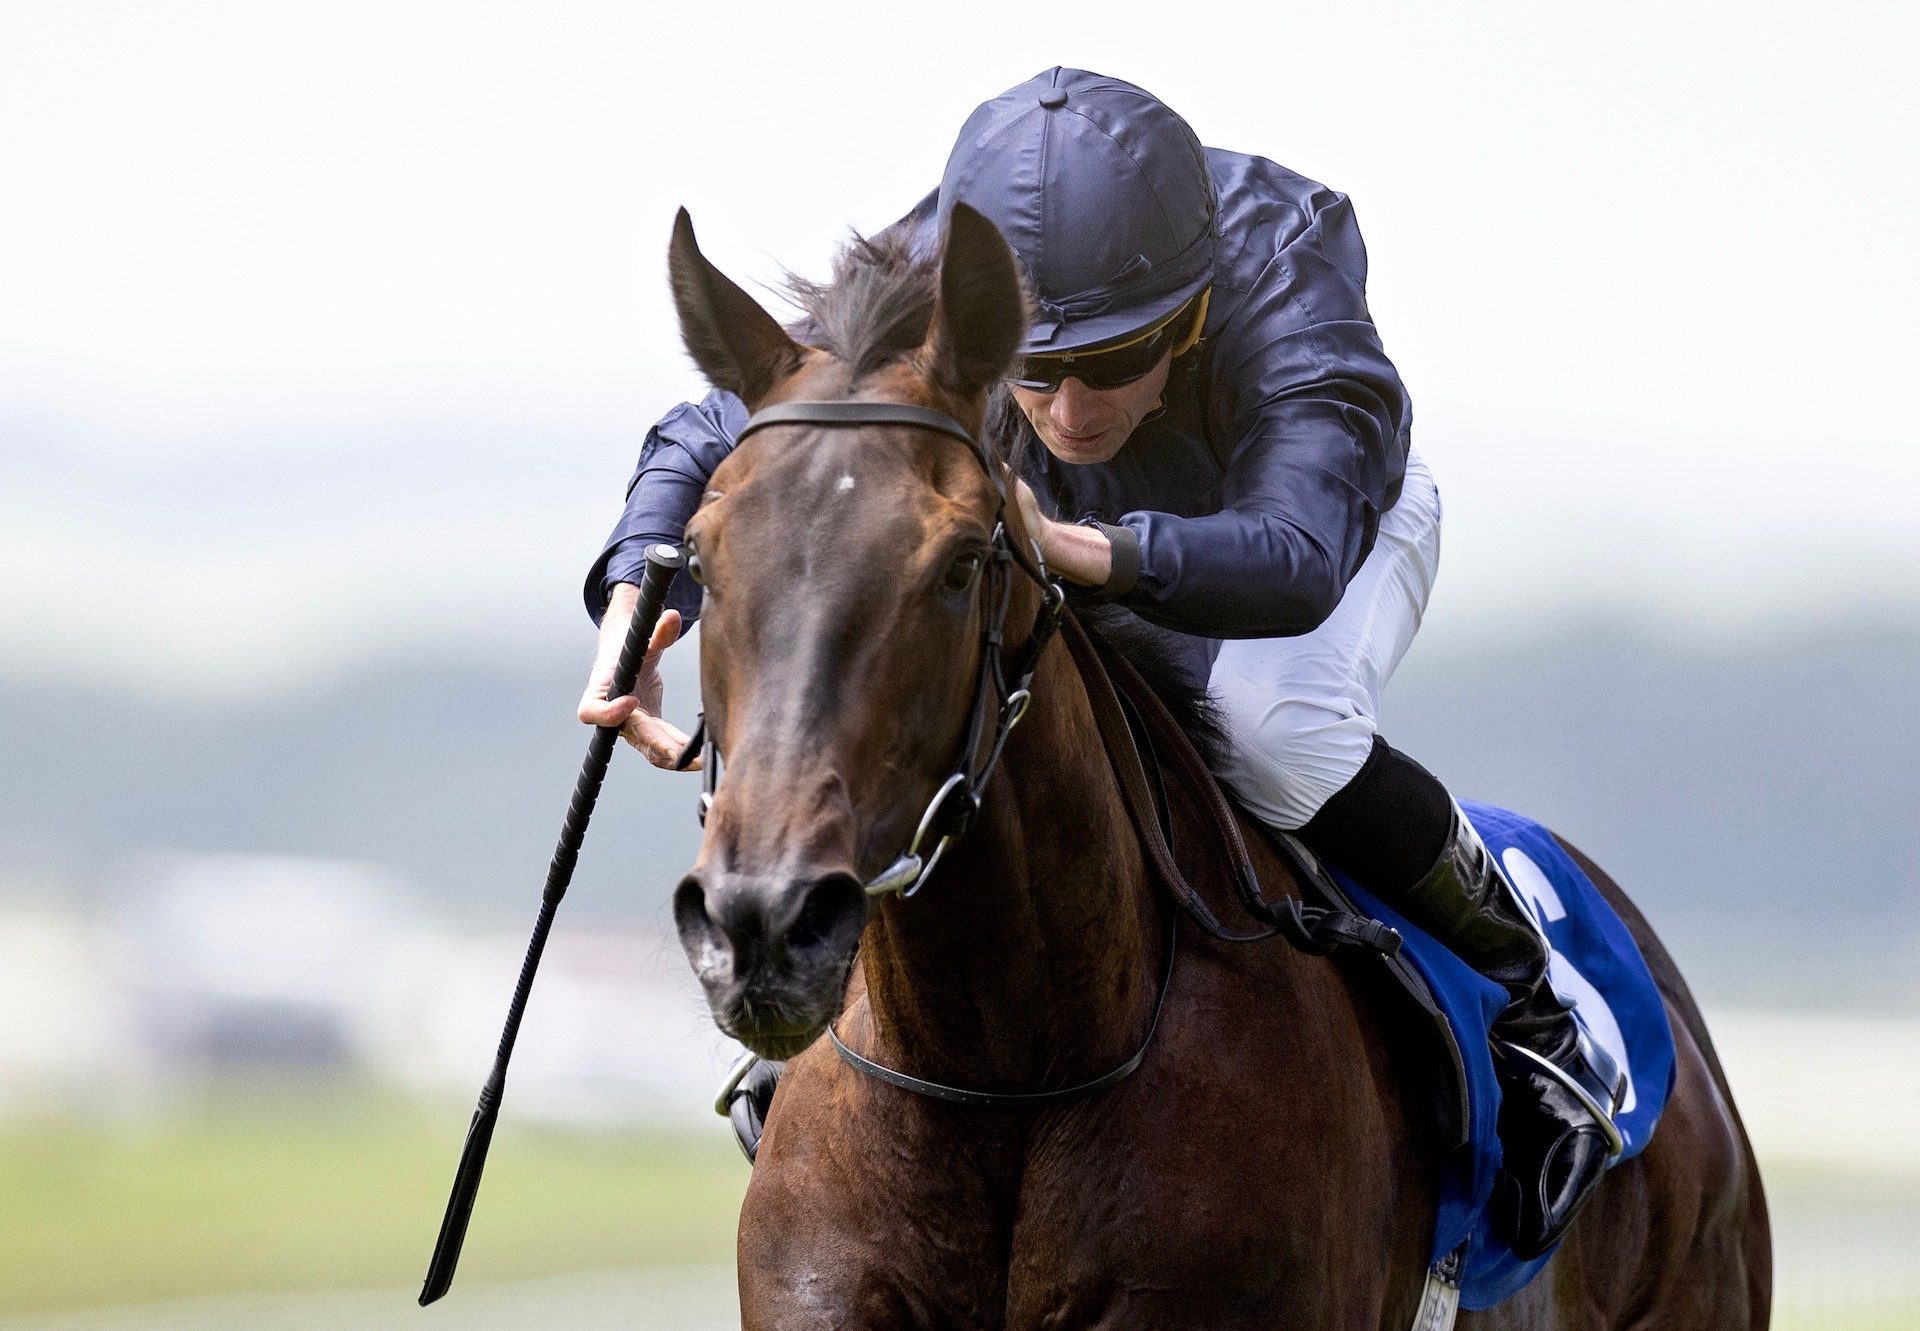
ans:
(1001, 695)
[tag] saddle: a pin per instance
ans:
(1148, 748)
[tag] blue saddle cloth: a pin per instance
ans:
(1597, 965)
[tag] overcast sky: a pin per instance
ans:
(325, 327)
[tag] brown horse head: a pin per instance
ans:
(841, 630)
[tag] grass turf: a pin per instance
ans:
(291, 1192)
(344, 1189)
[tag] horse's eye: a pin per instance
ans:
(693, 568)
(962, 571)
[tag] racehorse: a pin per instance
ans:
(874, 620)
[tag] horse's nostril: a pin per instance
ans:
(690, 915)
(732, 927)
(689, 902)
(720, 930)
(835, 906)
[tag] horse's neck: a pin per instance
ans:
(1030, 957)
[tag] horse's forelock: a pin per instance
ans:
(876, 309)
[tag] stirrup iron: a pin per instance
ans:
(1603, 1065)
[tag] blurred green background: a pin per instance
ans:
(337, 1188)
(329, 335)
(258, 1206)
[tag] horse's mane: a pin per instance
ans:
(876, 310)
(1153, 652)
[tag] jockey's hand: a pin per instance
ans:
(1031, 517)
(1079, 554)
(638, 714)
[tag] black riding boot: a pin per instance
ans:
(1558, 1089)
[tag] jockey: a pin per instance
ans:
(1204, 399)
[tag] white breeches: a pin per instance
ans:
(1301, 712)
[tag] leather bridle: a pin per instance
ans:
(1002, 694)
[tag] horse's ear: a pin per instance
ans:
(981, 314)
(736, 344)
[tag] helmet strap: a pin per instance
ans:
(1192, 335)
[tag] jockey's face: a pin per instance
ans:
(1081, 424)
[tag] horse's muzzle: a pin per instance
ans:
(771, 951)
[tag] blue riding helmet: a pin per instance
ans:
(1105, 196)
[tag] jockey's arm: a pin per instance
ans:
(1311, 425)
(680, 453)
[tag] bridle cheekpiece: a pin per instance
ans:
(1002, 694)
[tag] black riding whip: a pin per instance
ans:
(663, 561)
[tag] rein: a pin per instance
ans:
(1315, 930)
(1004, 691)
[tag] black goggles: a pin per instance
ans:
(1100, 369)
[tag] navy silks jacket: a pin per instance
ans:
(1243, 508)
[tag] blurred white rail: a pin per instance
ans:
(1840, 1090)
